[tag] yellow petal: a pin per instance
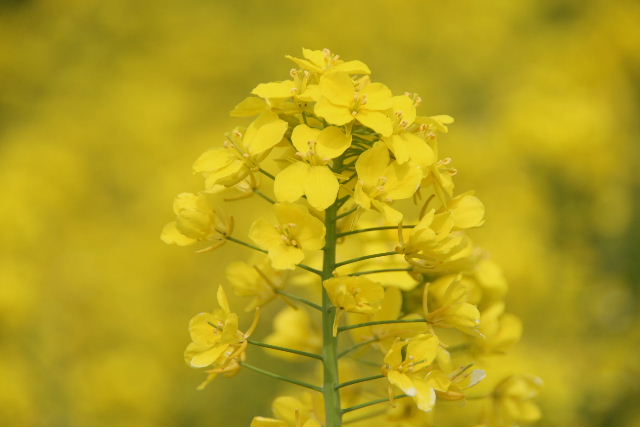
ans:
(308, 231)
(283, 89)
(205, 358)
(404, 180)
(267, 422)
(403, 382)
(419, 151)
(404, 105)
(171, 236)
(338, 88)
(289, 183)
(223, 301)
(467, 211)
(213, 160)
(375, 120)
(248, 107)
(398, 146)
(426, 397)
(371, 164)
(264, 233)
(332, 113)
(378, 96)
(263, 133)
(284, 257)
(321, 187)
(316, 56)
(352, 67)
(304, 137)
(332, 142)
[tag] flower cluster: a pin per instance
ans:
(363, 211)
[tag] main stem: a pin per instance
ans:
(333, 409)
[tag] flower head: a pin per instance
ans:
(196, 221)
(216, 341)
(312, 176)
(381, 181)
(511, 402)
(297, 231)
(343, 100)
(242, 152)
(445, 304)
(258, 281)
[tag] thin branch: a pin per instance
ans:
(347, 213)
(281, 377)
(380, 322)
(359, 380)
(357, 346)
(371, 403)
(364, 230)
(267, 174)
(383, 270)
(243, 243)
(365, 257)
(299, 299)
(309, 269)
(288, 350)
(264, 196)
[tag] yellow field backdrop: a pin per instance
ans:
(104, 105)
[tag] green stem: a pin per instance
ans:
(365, 257)
(380, 322)
(357, 346)
(288, 350)
(255, 248)
(264, 196)
(364, 230)
(333, 414)
(267, 174)
(347, 213)
(383, 270)
(360, 380)
(371, 403)
(299, 299)
(281, 377)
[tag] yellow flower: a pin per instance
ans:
(403, 143)
(242, 153)
(381, 181)
(500, 330)
(216, 340)
(259, 281)
(353, 295)
(321, 61)
(297, 231)
(311, 176)
(342, 101)
(291, 412)
(407, 364)
(390, 309)
(297, 88)
(292, 329)
(460, 381)
(196, 221)
(511, 402)
(445, 305)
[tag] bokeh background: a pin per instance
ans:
(104, 105)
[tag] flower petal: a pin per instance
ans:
(321, 187)
(289, 183)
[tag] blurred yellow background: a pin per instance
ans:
(104, 105)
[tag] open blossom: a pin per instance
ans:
(343, 100)
(381, 181)
(312, 176)
(321, 61)
(289, 411)
(216, 341)
(404, 143)
(196, 221)
(407, 364)
(242, 152)
(297, 231)
(445, 304)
